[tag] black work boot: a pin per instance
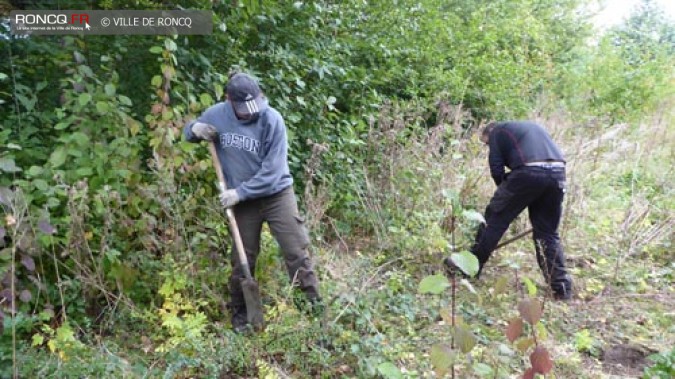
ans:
(562, 294)
(239, 320)
(452, 269)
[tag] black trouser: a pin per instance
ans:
(541, 191)
(280, 211)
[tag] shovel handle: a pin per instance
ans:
(234, 229)
(516, 238)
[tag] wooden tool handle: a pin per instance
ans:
(516, 238)
(234, 229)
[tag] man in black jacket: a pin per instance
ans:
(536, 182)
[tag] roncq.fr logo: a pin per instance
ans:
(52, 19)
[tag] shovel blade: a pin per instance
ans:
(254, 309)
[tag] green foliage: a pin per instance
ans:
(106, 212)
(434, 284)
(466, 262)
(182, 320)
(586, 343)
(663, 367)
(389, 371)
(627, 72)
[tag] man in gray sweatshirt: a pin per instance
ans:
(250, 138)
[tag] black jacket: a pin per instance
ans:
(514, 143)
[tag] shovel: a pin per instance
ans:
(254, 310)
(514, 239)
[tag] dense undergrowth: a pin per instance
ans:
(113, 260)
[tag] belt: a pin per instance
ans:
(546, 164)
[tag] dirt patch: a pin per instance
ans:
(626, 360)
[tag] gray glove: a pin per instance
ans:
(229, 198)
(204, 131)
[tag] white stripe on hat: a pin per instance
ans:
(252, 106)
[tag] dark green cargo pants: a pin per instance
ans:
(280, 211)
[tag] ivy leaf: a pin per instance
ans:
(156, 49)
(466, 262)
(541, 360)
(530, 310)
(442, 357)
(434, 284)
(514, 329)
(389, 371)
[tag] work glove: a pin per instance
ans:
(229, 198)
(204, 131)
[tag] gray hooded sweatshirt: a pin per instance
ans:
(253, 154)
